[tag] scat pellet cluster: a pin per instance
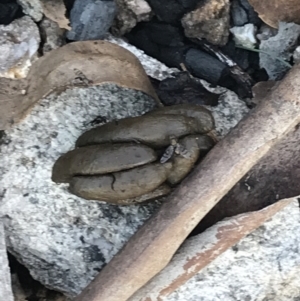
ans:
(136, 159)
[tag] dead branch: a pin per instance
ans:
(152, 247)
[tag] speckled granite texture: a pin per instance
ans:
(62, 239)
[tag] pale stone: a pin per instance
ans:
(19, 43)
(244, 35)
(33, 8)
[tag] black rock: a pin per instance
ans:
(182, 88)
(161, 41)
(171, 11)
(242, 13)
(203, 65)
(238, 14)
(9, 11)
(240, 56)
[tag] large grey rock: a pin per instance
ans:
(33, 8)
(263, 266)
(91, 19)
(19, 42)
(281, 47)
(62, 239)
(5, 280)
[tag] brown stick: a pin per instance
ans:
(152, 247)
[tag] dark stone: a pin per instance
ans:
(171, 11)
(251, 13)
(161, 41)
(242, 13)
(69, 5)
(9, 11)
(182, 88)
(167, 43)
(202, 65)
(240, 56)
(238, 14)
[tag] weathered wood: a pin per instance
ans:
(152, 247)
(199, 251)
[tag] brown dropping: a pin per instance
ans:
(101, 159)
(152, 129)
(275, 11)
(162, 190)
(204, 118)
(98, 62)
(183, 165)
(121, 185)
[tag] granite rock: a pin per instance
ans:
(18, 47)
(44, 223)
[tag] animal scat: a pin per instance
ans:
(101, 159)
(128, 184)
(204, 118)
(162, 190)
(153, 130)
